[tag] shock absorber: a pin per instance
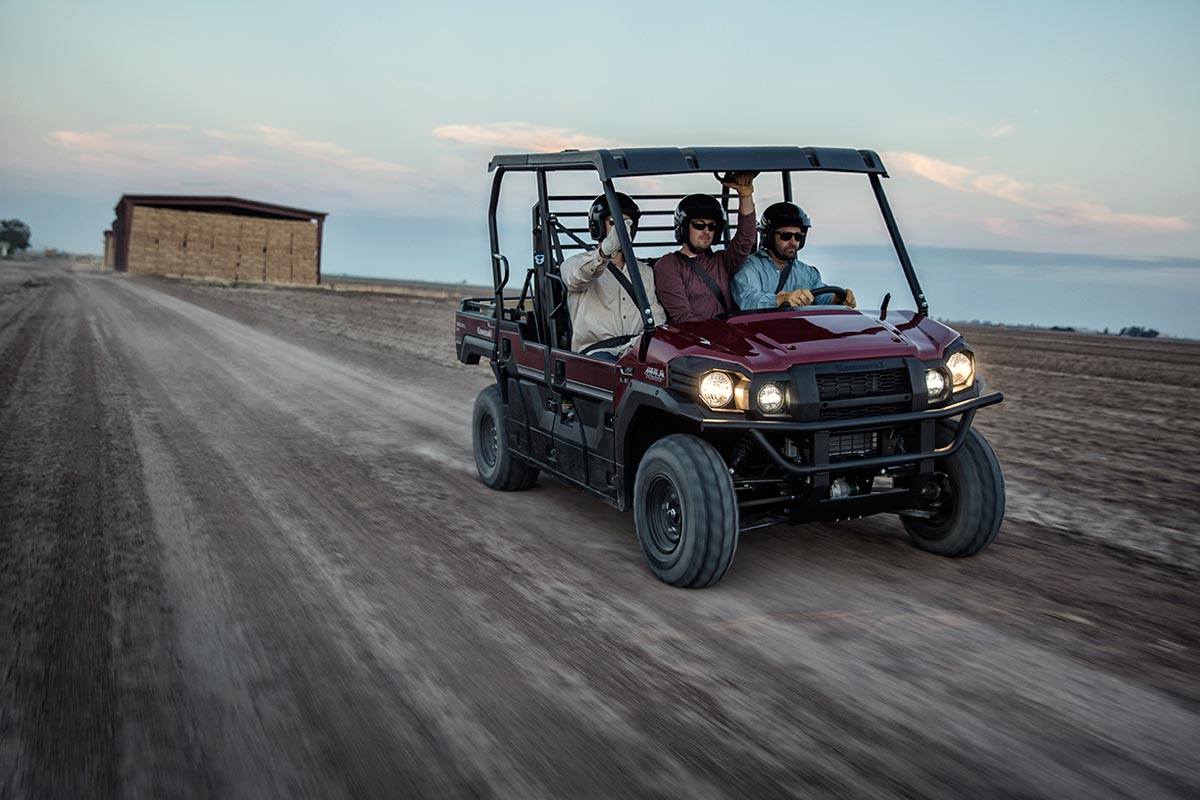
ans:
(741, 451)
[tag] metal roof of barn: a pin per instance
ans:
(675, 160)
(218, 204)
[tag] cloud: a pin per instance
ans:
(1001, 225)
(1054, 204)
(108, 141)
(126, 143)
(83, 140)
(286, 141)
(1003, 129)
(151, 126)
(110, 147)
(519, 136)
(1004, 187)
(1092, 216)
(262, 160)
(328, 152)
(940, 172)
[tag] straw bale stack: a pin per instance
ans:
(253, 256)
(279, 253)
(222, 246)
(304, 253)
(226, 238)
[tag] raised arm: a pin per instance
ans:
(581, 269)
(743, 240)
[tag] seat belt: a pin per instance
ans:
(622, 279)
(614, 341)
(709, 282)
(605, 344)
(784, 274)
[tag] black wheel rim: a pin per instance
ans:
(664, 512)
(489, 439)
(938, 525)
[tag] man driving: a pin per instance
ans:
(773, 276)
(604, 317)
(693, 282)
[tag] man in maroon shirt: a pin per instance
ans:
(693, 282)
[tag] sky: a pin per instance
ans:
(1042, 127)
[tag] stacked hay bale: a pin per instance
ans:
(229, 247)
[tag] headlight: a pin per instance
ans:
(935, 384)
(962, 369)
(770, 398)
(716, 389)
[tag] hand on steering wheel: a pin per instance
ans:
(842, 296)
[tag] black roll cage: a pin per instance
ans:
(648, 161)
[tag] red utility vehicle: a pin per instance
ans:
(709, 429)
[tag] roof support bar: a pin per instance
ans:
(635, 274)
(499, 279)
(901, 252)
(543, 255)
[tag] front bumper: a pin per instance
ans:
(820, 430)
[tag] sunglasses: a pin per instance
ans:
(705, 226)
(787, 236)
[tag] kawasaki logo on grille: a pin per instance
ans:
(858, 366)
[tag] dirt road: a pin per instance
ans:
(243, 553)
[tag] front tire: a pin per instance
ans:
(498, 467)
(685, 511)
(975, 507)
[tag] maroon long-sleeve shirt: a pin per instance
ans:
(684, 294)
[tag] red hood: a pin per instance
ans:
(774, 341)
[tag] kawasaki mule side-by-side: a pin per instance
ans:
(709, 429)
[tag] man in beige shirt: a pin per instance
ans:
(600, 307)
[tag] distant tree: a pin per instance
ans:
(15, 233)
(1139, 331)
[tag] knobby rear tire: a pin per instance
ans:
(693, 548)
(978, 509)
(498, 467)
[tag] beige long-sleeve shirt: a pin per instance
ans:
(600, 308)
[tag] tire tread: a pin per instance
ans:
(717, 516)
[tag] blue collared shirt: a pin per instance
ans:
(754, 285)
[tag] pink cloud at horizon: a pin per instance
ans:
(519, 136)
(1076, 214)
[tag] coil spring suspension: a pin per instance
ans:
(741, 451)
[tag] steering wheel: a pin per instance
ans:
(834, 290)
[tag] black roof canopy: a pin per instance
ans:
(632, 161)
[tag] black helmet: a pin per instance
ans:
(599, 212)
(697, 206)
(781, 215)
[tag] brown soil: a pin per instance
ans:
(243, 552)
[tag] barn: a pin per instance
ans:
(224, 238)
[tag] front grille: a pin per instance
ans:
(839, 386)
(859, 444)
(857, 412)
